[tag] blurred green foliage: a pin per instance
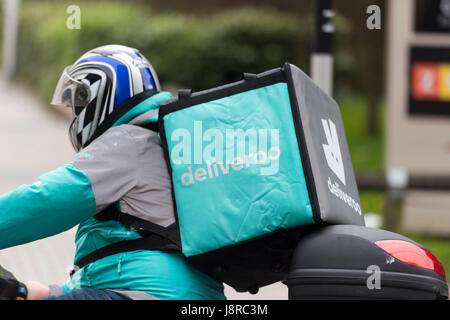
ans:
(197, 52)
(366, 150)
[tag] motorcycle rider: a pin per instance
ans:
(114, 94)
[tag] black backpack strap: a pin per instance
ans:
(184, 93)
(249, 76)
(153, 126)
(151, 242)
(154, 236)
(143, 227)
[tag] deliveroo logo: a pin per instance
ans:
(225, 151)
(332, 150)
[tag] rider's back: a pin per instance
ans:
(133, 169)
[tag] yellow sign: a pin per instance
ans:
(444, 81)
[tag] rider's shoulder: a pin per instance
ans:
(126, 135)
(130, 130)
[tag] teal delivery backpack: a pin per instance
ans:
(254, 164)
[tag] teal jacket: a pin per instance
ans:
(124, 165)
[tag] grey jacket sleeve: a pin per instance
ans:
(111, 163)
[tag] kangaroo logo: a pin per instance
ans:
(332, 150)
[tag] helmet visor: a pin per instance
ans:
(71, 93)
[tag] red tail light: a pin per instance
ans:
(411, 254)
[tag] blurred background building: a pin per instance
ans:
(206, 43)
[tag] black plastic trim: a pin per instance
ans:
(307, 169)
(389, 279)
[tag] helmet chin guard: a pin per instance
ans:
(73, 135)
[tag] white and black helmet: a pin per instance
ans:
(97, 83)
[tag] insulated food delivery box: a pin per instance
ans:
(254, 164)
